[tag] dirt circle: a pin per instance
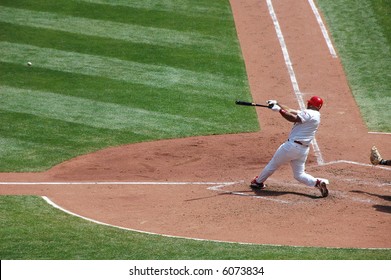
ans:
(198, 187)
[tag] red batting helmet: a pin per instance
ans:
(316, 101)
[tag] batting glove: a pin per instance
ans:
(276, 108)
(271, 102)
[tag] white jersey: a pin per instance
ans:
(305, 131)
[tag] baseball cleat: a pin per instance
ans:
(321, 185)
(255, 185)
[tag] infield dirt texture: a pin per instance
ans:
(198, 187)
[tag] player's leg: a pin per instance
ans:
(280, 157)
(298, 167)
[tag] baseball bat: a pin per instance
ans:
(245, 103)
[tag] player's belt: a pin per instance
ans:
(298, 142)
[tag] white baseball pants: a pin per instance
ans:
(296, 155)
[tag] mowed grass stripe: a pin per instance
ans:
(34, 143)
(114, 30)
(133, 72)
(199, 22)
(12, 147)
(181, 90)
(185, 58)
(205, 8)
(94, 113)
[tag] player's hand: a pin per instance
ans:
(276, 108)
(271, 102)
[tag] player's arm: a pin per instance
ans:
(289, 114)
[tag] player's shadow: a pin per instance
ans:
(276, 193)
(385, 197)
(381, 208)
(255, 193)
(201, 198)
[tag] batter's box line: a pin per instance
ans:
(219, 188)
(336, 193)
(355, 163)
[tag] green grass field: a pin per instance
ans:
(361, 30)
(42, 233)
(106, 73)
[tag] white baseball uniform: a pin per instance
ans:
(295, 149)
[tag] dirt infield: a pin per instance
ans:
(198, 187)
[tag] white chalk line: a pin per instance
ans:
(217, 186)
(50, 202)
(292, 75)
(380, 133)
(330, 45)
(337, 194)
(364, 182)
(287, 59)
(116, 183)
(323, 29)
(356, 163)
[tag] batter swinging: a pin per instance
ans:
(295, 149)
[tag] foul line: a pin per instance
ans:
(292, 74)
(117, 183)
(323, 29)
(287, 59)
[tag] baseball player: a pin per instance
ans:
(376, 158)
(295, 149)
